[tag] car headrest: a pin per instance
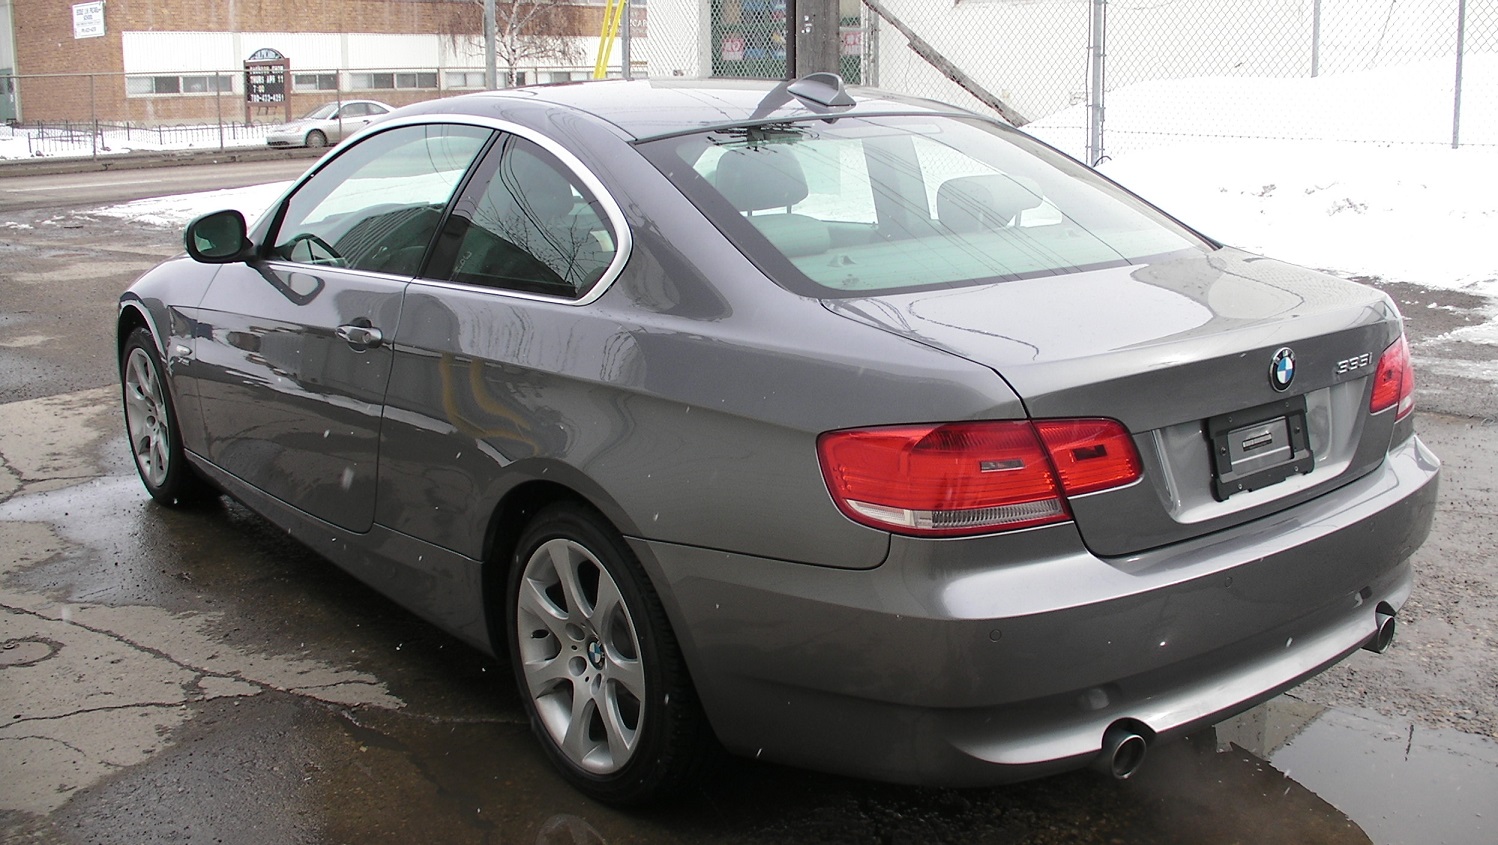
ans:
(990, 201)
(757, 178)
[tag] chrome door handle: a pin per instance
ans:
(363, 337)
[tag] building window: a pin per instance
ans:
(314, 82)
(140, 86)
(416, 80)
(464, 79)
(370, 81)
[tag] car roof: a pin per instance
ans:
(660, 107)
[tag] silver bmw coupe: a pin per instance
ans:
(836, 428)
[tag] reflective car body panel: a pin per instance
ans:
(649, 366)
(288, 406)
(947, 652)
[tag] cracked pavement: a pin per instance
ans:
(116, 680)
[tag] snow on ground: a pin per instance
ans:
(176, 211)
(24, 142)
(1280, 167)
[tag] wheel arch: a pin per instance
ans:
(506, 523)
(133, 316)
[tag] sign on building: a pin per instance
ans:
(88, 20)
(267, 77)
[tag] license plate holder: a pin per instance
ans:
(1255, 448)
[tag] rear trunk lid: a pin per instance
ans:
(1183, 353)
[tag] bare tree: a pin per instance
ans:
(535, 32)
(526, 32)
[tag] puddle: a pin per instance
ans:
(1403, 784)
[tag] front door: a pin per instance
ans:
(294, 350)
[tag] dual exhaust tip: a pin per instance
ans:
(1124, 747)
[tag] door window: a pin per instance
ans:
(376, 206)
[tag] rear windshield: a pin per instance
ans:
(852, 206)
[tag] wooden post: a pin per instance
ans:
(818, 42)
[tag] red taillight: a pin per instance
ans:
(972, 478)
(1091, 455)
(1394, 381)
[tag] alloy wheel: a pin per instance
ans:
(581, 656)
(146, 418)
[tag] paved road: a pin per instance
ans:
(19, 191)
(193, 676)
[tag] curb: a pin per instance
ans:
(48, 166)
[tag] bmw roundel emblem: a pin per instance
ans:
(1282, 368)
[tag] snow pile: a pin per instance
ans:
(177, 211)
(1287, 168)
(1409, 104)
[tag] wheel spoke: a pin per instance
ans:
(627, 673)
(543, 675)
(609, 600)
(158, 456)
(565, 559)
(535, 603)
(146, 380)
(621, 737)
(577, 744)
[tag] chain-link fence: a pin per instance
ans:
(1091, 76)
(1112, 76)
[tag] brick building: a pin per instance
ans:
(167, 61)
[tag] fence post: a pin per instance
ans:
(1461, 47)
(218, 108)
(1096, 52)
(1316, 38)
(93, 114)
(624, 27)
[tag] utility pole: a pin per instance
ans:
(624, 27)
(818, 42)
(491, 69)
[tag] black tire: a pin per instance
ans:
(605, 645)
(151, 426)
(316, 139)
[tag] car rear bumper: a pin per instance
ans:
(1002, 658)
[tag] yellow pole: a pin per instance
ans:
(611, 17)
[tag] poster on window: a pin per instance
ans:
(88, 20)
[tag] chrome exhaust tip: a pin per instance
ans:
(1384, 636)
(1123, 752)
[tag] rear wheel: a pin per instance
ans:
(151, 425)
(316, 139)
(598, 667)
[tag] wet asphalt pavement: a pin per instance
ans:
(195, 676)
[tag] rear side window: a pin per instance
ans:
(528, 224)
(863, 205)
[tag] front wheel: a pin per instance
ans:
(598, 667)
(316, 139)
(151, 425)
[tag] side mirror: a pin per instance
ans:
(218, 238)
